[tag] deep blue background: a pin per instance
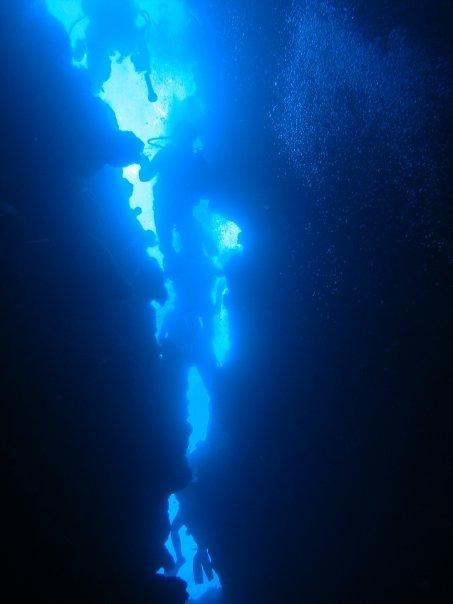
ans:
(330, 478)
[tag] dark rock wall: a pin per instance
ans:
(93, 440)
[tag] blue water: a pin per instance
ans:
(126, 93)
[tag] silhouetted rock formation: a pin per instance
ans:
(89, 433)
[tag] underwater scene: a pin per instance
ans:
(226, 317)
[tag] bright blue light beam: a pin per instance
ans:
(198, 406)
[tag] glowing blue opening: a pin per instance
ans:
(189, 549)
(126, 93)
(198, 407)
